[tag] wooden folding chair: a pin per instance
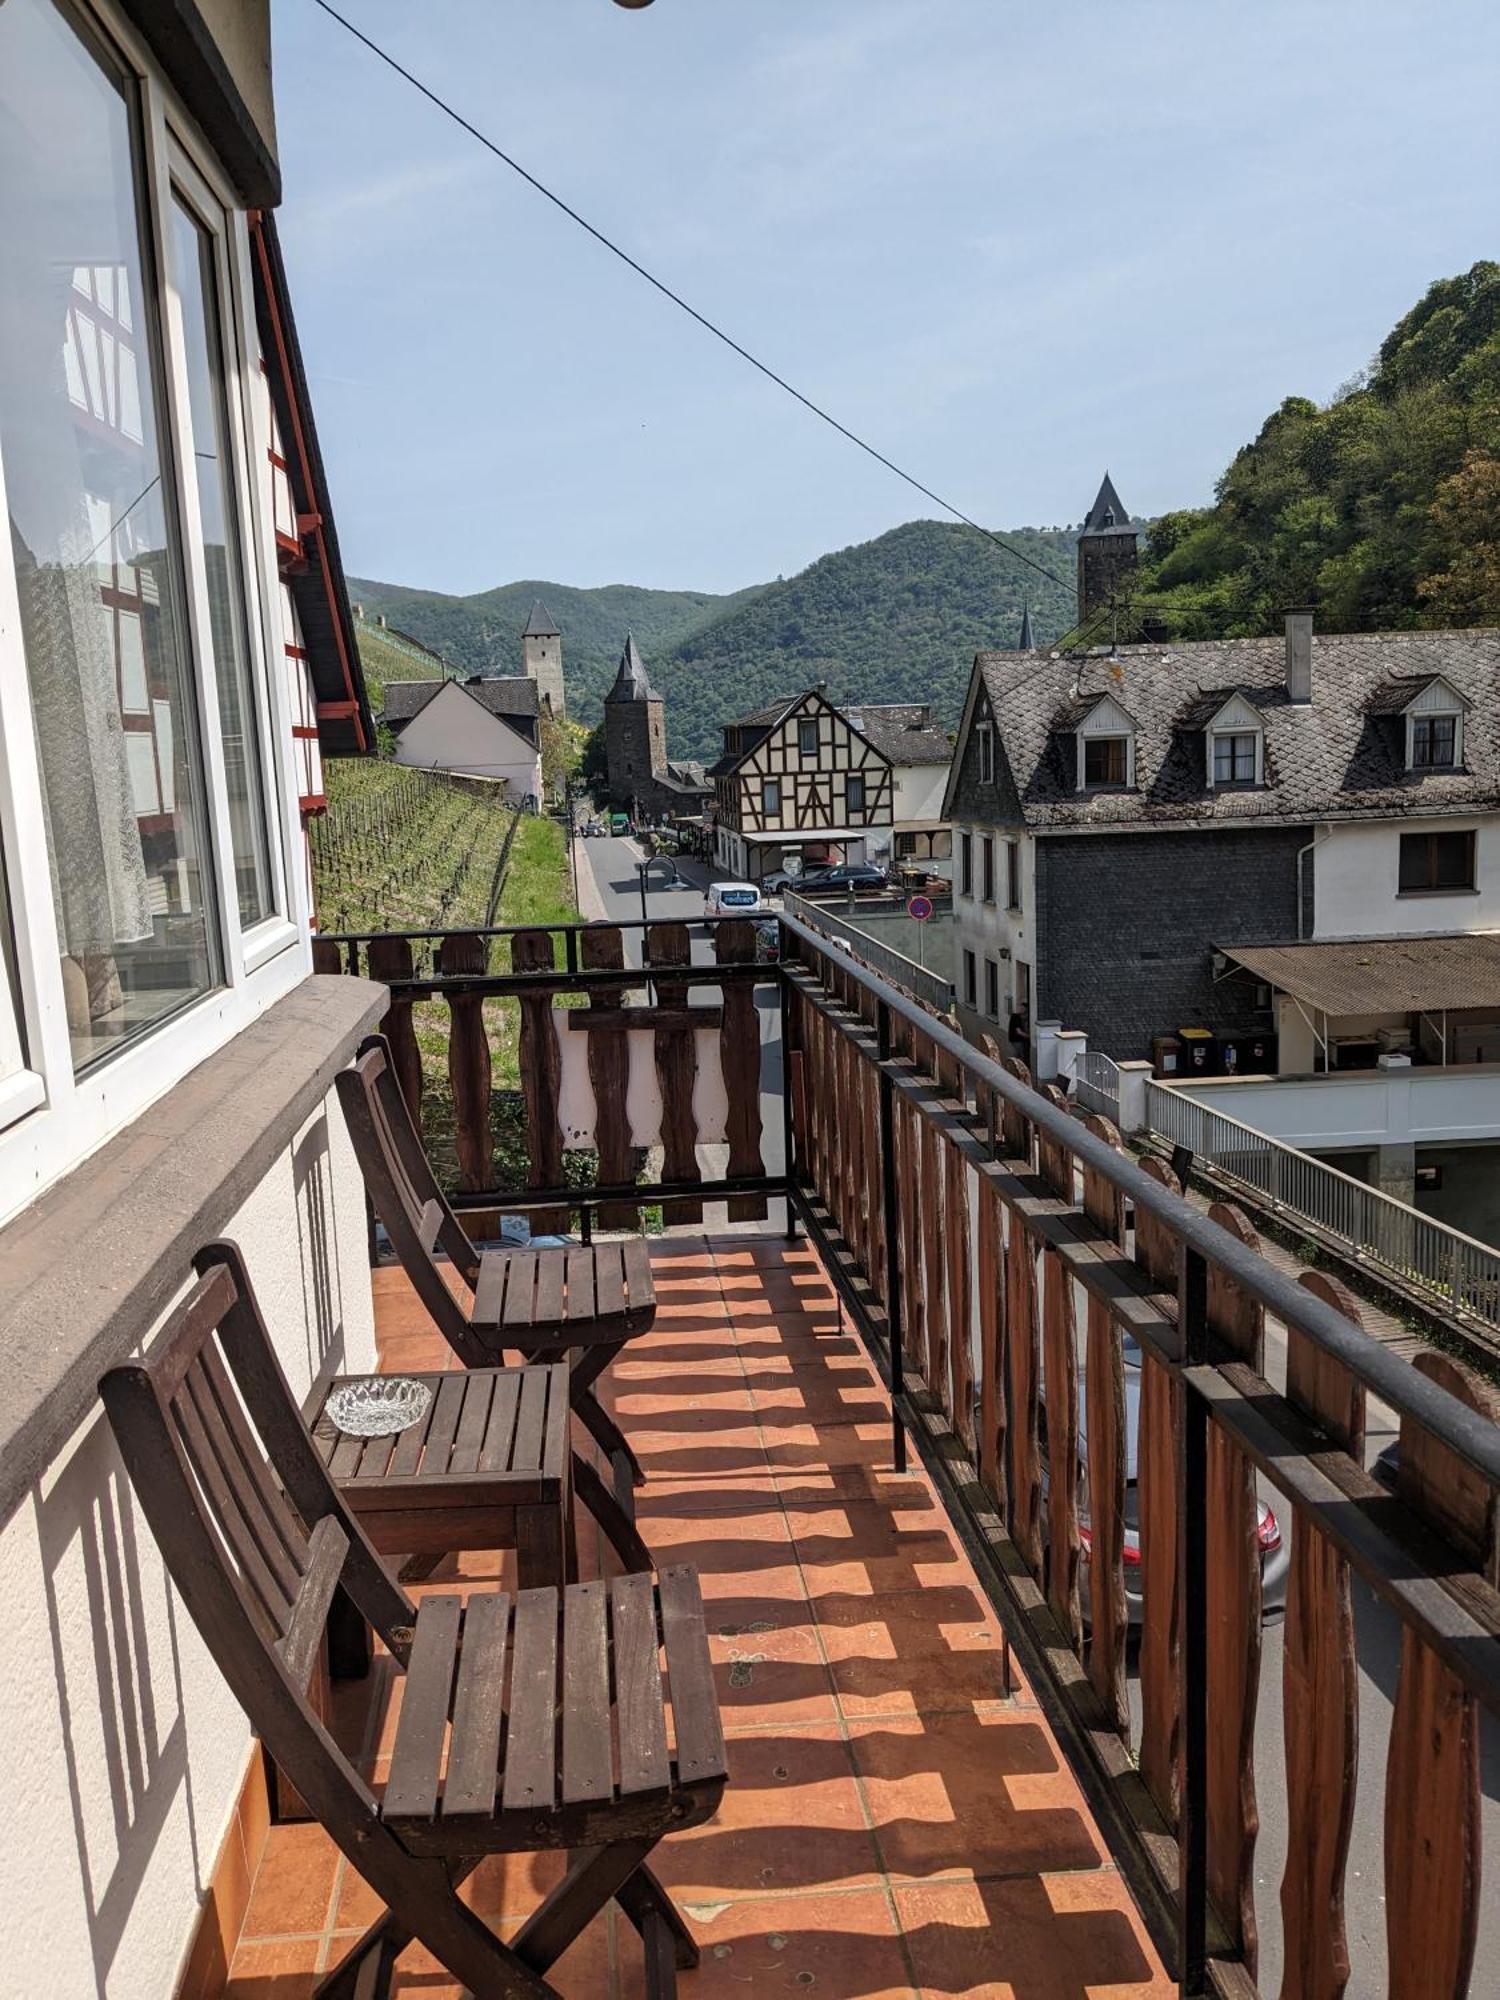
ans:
(574, 1756)
(584, 1302)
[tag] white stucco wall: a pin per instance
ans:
(919, 792)
(1356, 870)
(453, 733)
(123, 1751)
(988, 928)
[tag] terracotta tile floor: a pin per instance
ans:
(895, 1824)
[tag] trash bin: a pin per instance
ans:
(1166, 1055)
(1200, 1052)
(1248, 1054)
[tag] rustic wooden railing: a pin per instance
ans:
(679, 1070)
(968, 1220)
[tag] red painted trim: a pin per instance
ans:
(305, 729)
(273, 309)
(338, 711)
(313, 803)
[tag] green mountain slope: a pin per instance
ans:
(483, 632)
(899, 618)
(1381, 509)
(896, 619)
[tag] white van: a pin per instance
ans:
(733, 899)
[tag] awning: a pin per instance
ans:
(1415, 975)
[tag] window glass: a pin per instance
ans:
(1013, 875)
(987, 858)
(1234, 759)
(992, 989)
(1104, 760)
(97, 551)
(229, 632)
(855, 794)
(986, 754)
(1437, 861)
(966, 863)
(770, 796)
(1433, 742)
(971, 978)
(807, 737)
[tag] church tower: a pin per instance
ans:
(541, 658)
(1106, 553)
(635, 734)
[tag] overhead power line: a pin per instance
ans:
(710, 326)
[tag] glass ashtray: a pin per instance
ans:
(377, 1405)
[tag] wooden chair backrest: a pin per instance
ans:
(407, 1197)
(249, 1524)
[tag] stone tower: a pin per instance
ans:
(635, 735)
(541, 658)
(1106, 553)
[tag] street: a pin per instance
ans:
(610, 866)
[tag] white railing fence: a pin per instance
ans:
(1461, 1273)
(1096, 1083)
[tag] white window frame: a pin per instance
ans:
(770, 798)
(1218, 736)
(51, 1118)
(804, 723)
(1456, 716)
(1086, 737)
(851, 779)
(985, 732)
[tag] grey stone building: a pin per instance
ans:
(541, 658)
(1107, 555)
(642, 780)
(1128, 823)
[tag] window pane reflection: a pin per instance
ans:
(98, 560)
(208, 407)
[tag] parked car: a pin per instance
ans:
(767, 940)
(847, 875)
(733, 899)
(1275, 1557)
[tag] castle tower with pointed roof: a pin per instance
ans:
(541, 657)
(635, 735)
(1107, 554)
(1025, 643)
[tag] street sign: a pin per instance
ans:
(920, 907)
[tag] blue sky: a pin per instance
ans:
(1011, 245)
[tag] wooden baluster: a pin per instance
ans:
(326, 956)
(739, 1058)
(541, 1077)
(1320, 1685)
(934, 1223)
(1104, 1368)
(1237, 1322)
(1015, 1126)
(463, 954)
(1432, 1878)
(993, 1360)
(390, 959)
(677, 1069)
(1025, 1370)
(1060, 1339)
(1054, 1163)
(909, 1167)
(960, 1313)
(874, 1185)
(1156, 1503)
(601, 948)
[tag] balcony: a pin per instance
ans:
(975, 1470)
(899, 1816)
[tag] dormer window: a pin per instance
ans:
(1105, 734)
(1106, 761)
(1234, 743)
(1234, 757)
(1433, 742)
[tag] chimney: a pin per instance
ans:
(1299, 637)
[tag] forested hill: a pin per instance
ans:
(1381, 509)
(899, 618)
(896, 619)
(483, 632)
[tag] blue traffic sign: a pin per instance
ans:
(920, 907)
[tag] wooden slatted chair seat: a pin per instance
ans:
(527, 1722)
(584, 1301)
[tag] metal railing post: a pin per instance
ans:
(891, 1205)
(1192, 1557)
(788, 1129)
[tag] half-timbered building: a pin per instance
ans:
(803, 782)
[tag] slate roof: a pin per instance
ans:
(1107, 516)
(513, 696)
(541, 624)
(631, 683)
(1340, 755)
(903, 731)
